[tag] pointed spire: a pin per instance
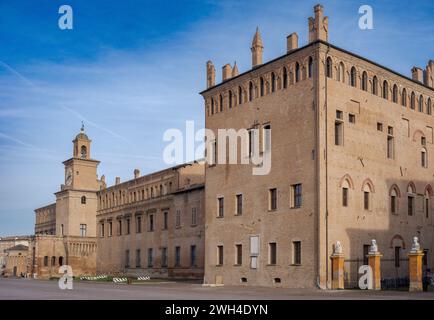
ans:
(235, 70)
(257, 40)
(82, 126)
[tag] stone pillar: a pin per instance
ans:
(415, 270)
(337, 271)
(374, 261)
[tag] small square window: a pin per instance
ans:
(339, 114)
(390, 130)
(423, 141)
(379, 126)
(352, 118)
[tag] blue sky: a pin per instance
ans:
(133, 69)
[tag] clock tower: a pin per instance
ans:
(76, 202)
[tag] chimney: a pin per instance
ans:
(429, 74)
(136, 173)
(318, 26)
(257, 49)
(291, 42)
(118, 180)
(226, 72)
(235, 70)
(210, 75)
(417, 74)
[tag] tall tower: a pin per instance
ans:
(76, 202)
(257, 49)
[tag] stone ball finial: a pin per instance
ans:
(374, 247)
(415, 247)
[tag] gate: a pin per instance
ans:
(395, 274)
(351, 273)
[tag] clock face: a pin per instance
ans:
(68, 177)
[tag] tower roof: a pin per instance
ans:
(257, 40)
(82, 135)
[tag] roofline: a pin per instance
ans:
(76, 158)
(331, 46)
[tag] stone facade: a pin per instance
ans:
(351, 149)
(13, 255)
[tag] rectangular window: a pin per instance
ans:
(272, 199)
(193, 256)
(379, 126)
(339, 115)
(127, 258)
(178, 219)
(296, 196)
(296, 249)
(177, 256)
(339, 131)
(193, 216)
(393, 204)
(239, 205)
(164, 257)
(83, 230)
(165, 220)
(390, 144)
(213, 152)
(220, 259)
(119, 227)
(366, 200)
(345, 197)
(272, 253)
(425, 258)
(267, 138)
(110, 230)
(254, 251)
(251, 143)
(426, 208)
(139, 224)
(410, 208)
(390, 131)
(238, 254)
(220, 202)
(128, 225)
(138, 259)
(151, 222)
(101, 233)
(150, 258)
(397, 257)
(365, 254)
(352, 118)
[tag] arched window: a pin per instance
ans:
(250, 91)
(395, 93)
(427, 204)
(346, 186)
(367, 189)
(221, 103)
(60, 261)
(413, 100)
(230, 99)
(212, 106)
(285, 78)
(297, 72)
(53, 260)
(83, 151)
(375, 85)
(273, 82)
(385, 90)
(46, 261)
(404, 98)
(262, 85)
(424, 158)
(83, 199)
(240, 95)
(420, 103)
(394, 194)
(429, 107)
(353, 77)
(341, 73)
(310, 67)
(329, 68)
(411, 193)
(365, 81)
